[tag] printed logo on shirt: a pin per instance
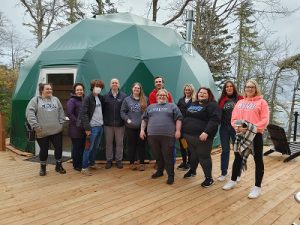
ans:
(194, 108)
(158, 109)
(229, 105)
(135, 107)
(246, 105)
(49, 107)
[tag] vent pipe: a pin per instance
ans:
(190, 14)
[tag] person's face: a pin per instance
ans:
(158, 82)
(114, 84)
(47, 91)
(162, 97)
(136, 90)
(79, 91)
(187, 92)
(229, 89)
(202, 94)
(250, 89)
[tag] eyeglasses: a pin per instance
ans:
(250, 87)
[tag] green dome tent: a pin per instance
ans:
(122, 45)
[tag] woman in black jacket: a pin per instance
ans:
(183, 104)
(200, 126)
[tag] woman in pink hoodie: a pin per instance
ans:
(253, 109)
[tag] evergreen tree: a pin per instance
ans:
(212, 39)
(247, 44)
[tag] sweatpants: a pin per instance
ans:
(258, 159)
(200, 153)
(162, 147)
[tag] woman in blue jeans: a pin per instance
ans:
(227, 101)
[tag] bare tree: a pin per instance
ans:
(45, 16)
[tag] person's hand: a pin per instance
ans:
(142, 134)
(240, 130)
(177, 134)
(203, 136)
(88, 132)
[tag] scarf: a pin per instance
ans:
(244, 142)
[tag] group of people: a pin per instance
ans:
(194, 121)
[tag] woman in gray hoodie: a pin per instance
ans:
(46, 116)
(132, 110)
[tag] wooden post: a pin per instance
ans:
(2, 132)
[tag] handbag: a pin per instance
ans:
(30, 132)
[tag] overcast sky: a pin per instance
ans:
(283, 27)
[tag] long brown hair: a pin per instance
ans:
(143, 101)
(224, 94)
(211, 96)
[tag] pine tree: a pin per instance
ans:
(247, 44)
(212, 40)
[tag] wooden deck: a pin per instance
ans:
(130, 197)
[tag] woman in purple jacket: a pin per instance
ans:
(76, 133)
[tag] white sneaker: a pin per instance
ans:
(255, 192)
(222, 178)
(238, 179)
(229, 185)
(86, 172)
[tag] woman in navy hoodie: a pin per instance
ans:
(132, 110)
(76, 133)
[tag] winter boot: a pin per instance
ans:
(43, 169)
(59, 168)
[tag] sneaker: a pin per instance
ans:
(93, 167)
(222, 177)
(77, 169)
(189, 174)
(207, 182)
(133, 166)
(156, 175)
(119, 164)
(108, 165)
(86, 172)
(229, 185)
(255, 192)
(238, 179)
(170, 180)
(142, 167)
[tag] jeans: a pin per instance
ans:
(227, 133)
(77, 152)
(95, 140)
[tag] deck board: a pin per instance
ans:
(130, 197)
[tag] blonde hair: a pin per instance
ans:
(257, 88)
(193, 94)
(162, 90)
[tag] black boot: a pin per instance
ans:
(59, 168)
(43, 170)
